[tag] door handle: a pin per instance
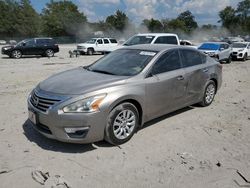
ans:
(205, 70)
(180, 78)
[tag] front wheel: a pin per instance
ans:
(245, 57)
(49, 53)
(17, 54)
(229, 60)
(122, 123)
(209, 94)
(90, 51)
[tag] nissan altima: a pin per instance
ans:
(113, 97)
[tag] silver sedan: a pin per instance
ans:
(112, 98)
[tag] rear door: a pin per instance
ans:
(166, 85)
(196, 72)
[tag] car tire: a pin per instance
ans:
(209, 94)
(122, 123)
(245, 57)
(229, 60)
(90, 51)
(17, 54)
(49, 53)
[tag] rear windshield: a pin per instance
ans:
(139, 40)
(209, 46)
(166, 40)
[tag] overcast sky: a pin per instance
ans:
(205, 11)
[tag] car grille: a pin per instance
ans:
(235, 53)
(42, 103)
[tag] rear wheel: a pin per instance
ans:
(16, 54)
(123, 121)
(209, 94)
(49, 53)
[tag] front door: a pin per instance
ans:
(166, 85)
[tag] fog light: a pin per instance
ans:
(74, 130)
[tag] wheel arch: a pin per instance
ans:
(133, 101)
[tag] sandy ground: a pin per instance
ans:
(193, 147)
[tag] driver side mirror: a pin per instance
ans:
(23, 44)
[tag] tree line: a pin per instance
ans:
(63, 18)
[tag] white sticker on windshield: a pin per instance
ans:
(147, 53)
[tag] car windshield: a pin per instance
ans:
(139, 40)
(91, 41)
(23, 41)
(239, 45)
(123, 62)
(209, 46)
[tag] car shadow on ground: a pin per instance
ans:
(48, 144)
(29, 57)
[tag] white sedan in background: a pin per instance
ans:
(241, 50)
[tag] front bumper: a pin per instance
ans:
(52, 124)
(238, 55)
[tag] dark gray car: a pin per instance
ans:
(115, 96)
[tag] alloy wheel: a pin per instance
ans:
(210, 92)
(124, 124)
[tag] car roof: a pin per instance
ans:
(214, 43)
(157, 34)
(155, 47)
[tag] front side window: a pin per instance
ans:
(167, 62)
(191, 58)
(99, 41)
(166, 40)
(30, 42)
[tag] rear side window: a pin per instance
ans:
(113, 41)
(167, 62)
(166, 40)
(45, 41)
(106, 41)
(191, 58)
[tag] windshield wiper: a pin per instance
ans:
(102, 71)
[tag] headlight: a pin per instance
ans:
(90, 104)
(7, 48)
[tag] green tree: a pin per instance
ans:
(118, 21)
(228, 18)
(153, 25)
(62, 18)
(243, 12)
(175, 25)
(18, 18)
(189, 20)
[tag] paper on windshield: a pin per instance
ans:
(147, 53)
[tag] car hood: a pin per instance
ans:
(86, 44)
(9, 47)
(79, 81)
(238, 49)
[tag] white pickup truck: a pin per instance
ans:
(100, 45)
